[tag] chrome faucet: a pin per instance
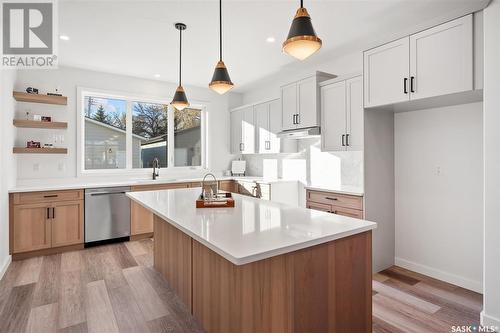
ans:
(156, 168)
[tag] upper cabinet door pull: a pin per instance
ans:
(412, 84)
(347, 139)
(343, 140)
(405, 85)
(298, 118)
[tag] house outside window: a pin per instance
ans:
(121, 132)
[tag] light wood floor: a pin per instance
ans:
(114, 288)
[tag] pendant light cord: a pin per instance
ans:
(220, 30)
(301, 3)
(180, 57)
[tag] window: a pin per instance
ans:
(105, 133)
(127, 133)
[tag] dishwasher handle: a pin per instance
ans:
(106, 193)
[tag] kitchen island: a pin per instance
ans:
(263, 266)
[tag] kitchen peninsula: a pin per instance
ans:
(263, 266)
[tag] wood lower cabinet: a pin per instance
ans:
(45, 220)
(31, 228)
(340, 204)
(141, 219)
(67, 223)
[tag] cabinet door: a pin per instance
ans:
(386, 73)
(277, 145)
(262, 128)
(333, 116)
(248, 131)
(31, 228)
(141, 219)
(308, 103)
(236, 134)
(355, 113)
(441, 59)
(289, 103)
(67, 223)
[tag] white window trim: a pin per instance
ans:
(82, 172)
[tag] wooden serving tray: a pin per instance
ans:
(229, 202)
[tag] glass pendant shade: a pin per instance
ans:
(180, 101)
(302, 40)
(221, 82)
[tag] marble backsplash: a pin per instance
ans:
(310, 165)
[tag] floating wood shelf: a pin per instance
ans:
(21, 150)
(39, 98)
(39, 124)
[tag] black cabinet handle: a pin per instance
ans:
(330, 198)
(405, 85)
(53, 213)
(347, 139)
(241, 146)
(298, 118)
(343, 140)
(48, 213)
(51, 196)
(412, 84)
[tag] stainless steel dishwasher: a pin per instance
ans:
(107, 215)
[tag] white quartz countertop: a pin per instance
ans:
(254, 230)
(83, 183)
(341, 189)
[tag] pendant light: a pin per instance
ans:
(180, 100)
(221, 82)
(302, 40)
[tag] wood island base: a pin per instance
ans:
(323, 288)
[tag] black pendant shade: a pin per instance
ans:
(302, 40)
(221, 82)
(180, 101)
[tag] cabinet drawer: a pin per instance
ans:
(319, 206)
(347, 212)
(228, 185)
(339, 200)
(47, 196)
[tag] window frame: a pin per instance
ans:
(130, 98)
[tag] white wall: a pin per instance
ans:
(68, 79)
(491, 307)
(7, 161)
(439, 193)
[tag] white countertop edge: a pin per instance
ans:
(265, 255)
(92, 183)
(338, 191)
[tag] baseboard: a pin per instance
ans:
(487, 320)
(460, 281)
(5, 265)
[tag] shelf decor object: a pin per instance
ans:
(302, 40)
(38, 98)
(22, 150)
(40, 124)
(180, 101)
(221, 82)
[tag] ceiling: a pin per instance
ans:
(138, 38)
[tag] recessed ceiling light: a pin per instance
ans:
(270, 39)
(157, 75)
(64, 37)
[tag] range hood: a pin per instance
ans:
(300, 133)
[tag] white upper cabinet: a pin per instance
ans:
(342, 115)
(386, 70)
(255, 128)
(354, 114)
(308, 115)
(300, 102)
(434, 62)
(441, 59)
(289, 106)
(242, 131)
(333, 116)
